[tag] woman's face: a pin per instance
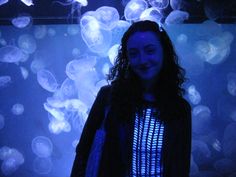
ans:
(145, 54)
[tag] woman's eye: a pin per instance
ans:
(150, 51)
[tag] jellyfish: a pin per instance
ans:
(47, 80)
(152, 14)
(193, 95)
(3, 2)
(176, 17)
(231, 84)
(113, 52)
(40, 31)
(12, 159)
(160, 4)
(27, 43)
(5, 81)
(55, 112)
(176, 4)
(24, 72)
(21, 21)
(17, 109)
(201, 119)
(182, 39)
(42, 166)
(2, 121)
(56, 126)
(10, 54)
(75, 6)
(68, 89)
(28, 2)
(51, 32)
(107, 16)
(119, 30)
(134, 9)
(73, 29)
(76, 67)
(42, 146)
(97, 39)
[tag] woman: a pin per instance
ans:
(148, 125)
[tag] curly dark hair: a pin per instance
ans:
(126, 88)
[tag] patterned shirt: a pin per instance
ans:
(147, 144)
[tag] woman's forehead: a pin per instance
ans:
(141, 38)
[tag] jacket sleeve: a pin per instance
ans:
(93, 122)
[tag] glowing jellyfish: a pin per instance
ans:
(3, 42)
(225, 166)
(119, 30)
(21, 21)
(28, 2)
(10, 54)
(217, 145)
(160, 4)
(68, 89)
(229, 141)
(42, 146)
(89, 18)
(152, 14)
(55, 112)
(17, 109)
(73, 29)
(3, 2)
(201, 119)
(5, 81)
(51, 32)
(24, 72)
(42, 165)
(75, 105)
(40, 31)
(75, 52)
(107, 16)
(182, 39)
(47, 80)
(27, 43)
(12, 159)
(231, 84)
(134, 9)
(176, 17)
(57, 127)
(98, 41)
(2, 121)
(113, 52)
(176, 4)
(193, 95)
(75, 67)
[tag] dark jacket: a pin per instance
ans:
(116, 156)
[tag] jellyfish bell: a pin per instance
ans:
(17, 109)
(107, 16)
(47, 80)
(21, 21)
(10, 54)
(176, 17)
(160, 4)
(3, 2)
(42, 166)
(98, 41)
(40, 31)
(42, 146)
(28, 2)
(134, 9)
(152, 14)
(5, 81)
(27, 43)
